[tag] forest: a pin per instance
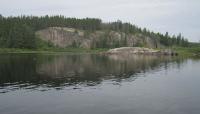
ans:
(19, 32)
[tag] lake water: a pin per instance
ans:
(97, 84)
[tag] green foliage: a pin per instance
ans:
(19, 36)
(188, 51)
(18, 32)
(40, 44)
(74, 44)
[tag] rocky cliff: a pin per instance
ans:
(70, 37)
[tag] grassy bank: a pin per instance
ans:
(51, 50)
(192, 51)
(188, 51)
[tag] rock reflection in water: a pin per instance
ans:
(32, 71)
(73, 69)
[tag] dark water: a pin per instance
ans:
(96, 84)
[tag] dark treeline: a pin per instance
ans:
(165, 39)
(19, 32)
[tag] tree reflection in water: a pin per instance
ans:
(32, 71)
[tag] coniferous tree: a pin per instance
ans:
(18, 32)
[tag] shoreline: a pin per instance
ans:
(182, 51)
(51, 50)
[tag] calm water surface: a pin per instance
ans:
(97, 84)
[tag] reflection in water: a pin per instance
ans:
(31, 71)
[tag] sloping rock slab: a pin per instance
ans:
(141, 50)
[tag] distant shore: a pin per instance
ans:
(193, 51)
(52, 50)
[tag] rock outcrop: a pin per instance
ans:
(140, 50)
(70, 37)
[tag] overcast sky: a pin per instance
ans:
(174, 16)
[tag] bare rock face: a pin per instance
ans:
(70, 37)
(131, 50)
(140, 50)
(61, 37)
